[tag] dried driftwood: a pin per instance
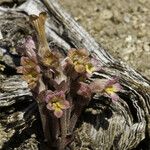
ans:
(103, 125)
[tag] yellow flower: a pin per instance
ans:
(89, 68)
(50, 60)
(56, 102)
(107, 87)
(31, 76)
(30, 71)
(81, 61)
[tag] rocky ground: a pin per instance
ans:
(120, 26)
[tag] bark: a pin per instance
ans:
(103, 125)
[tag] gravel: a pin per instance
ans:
(121, 26)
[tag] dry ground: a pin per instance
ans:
(121, 26)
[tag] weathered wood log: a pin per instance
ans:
(103, 125)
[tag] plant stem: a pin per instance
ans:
(63, 126)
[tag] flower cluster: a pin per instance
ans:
(29, 64)
(61, 75)
(61, 83)
(80, 61)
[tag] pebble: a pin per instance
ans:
(117, 18)
(142, 1)
(126, 18)
(1, 36)
(33, 136)
(146, 47)
(106, 14)
(128, 38)
(126, 58)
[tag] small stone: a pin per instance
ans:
(2, 52)
(126, 58)
(1, 36)
(33, 136)
(129, 39)
(142, 1)
(77, 18)
(106, 14)
(117, 18)
(2, 67)
(8, 60)
(97, 9)
(126, 18)
(146, 47)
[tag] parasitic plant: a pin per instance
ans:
(60, 84)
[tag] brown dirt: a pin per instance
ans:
(121, 26)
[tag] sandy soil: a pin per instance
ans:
(121, 26)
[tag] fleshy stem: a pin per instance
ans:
(75, 117)
(45, 122)
(54, 131)
(39, 24)
(63, 126)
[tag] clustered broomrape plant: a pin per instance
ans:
(59, 84)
